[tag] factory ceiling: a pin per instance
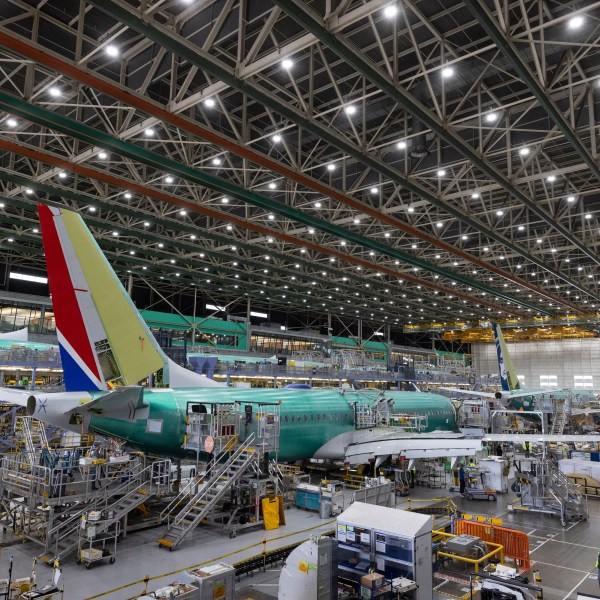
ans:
(394, 161)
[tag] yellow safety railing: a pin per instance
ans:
(476, 562)
(288, 470)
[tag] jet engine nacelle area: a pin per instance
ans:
(59, 409)
(503, 398)
(31, 406)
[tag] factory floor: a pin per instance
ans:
(565, 557)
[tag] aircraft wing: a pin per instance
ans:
(470, 392)
(538, 437)
(411, 448)
(576, 412)
(360, 446)
(505, 395)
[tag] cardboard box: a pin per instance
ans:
(372, 581)
(91, 554)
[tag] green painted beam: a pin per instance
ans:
(302, 14)
(223, 72)
(508, 48)
(46, 118)
(82, 199)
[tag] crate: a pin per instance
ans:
(91, 554)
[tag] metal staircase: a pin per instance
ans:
(63, 539)
(545, 488)
(33, 434)
(573, 503)
(560, 417)
(210, 495)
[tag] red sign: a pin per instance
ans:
(209, 444)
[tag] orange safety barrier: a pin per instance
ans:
(516, 543)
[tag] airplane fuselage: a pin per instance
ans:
(308, 418)
(529, 402)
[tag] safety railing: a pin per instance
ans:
(515, 543)
(497, 552)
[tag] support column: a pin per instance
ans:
(40, 327)
(360, 330)
(195, 327)
(130, 285)
(248, 327)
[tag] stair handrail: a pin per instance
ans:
(185, 492)
(124, 491)
(213, 480)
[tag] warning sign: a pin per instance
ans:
(209, 444)
(303, 566)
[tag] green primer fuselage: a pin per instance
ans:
(309, 418)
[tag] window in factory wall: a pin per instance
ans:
(548, 381)
(583, 381)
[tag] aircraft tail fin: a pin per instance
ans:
(103, 340)
(508, 375)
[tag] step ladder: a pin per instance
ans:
(63, 539)
(209, 495)
(560, 418)
(34, 436)
(573, 502)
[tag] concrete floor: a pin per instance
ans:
(565, 557)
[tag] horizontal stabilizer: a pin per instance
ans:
(14, 396)
(124, 403)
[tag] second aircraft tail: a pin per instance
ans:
(508, 375)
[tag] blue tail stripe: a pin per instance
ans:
(76, 380)
(501, 364)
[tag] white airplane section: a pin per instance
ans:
(539, 437)
(504, 395)
(359, 447)
(20, 335)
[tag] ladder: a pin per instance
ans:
(209, 495)
(34, 435)
(63, 539)
(560, 418)
(573, 502)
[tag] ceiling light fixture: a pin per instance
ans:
(390, 11)
(575, 22)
